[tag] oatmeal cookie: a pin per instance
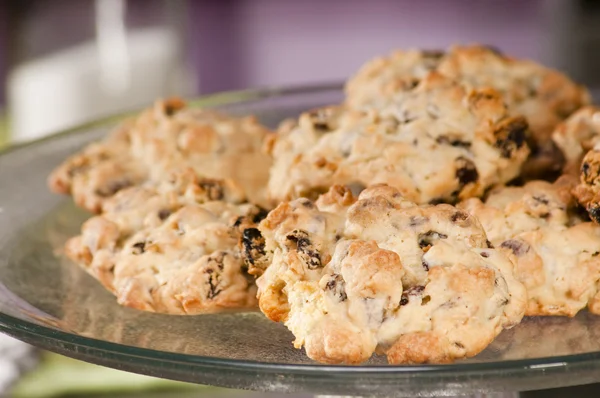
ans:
(544, 96)
(381, 274)
(553, 246)
(437, 143)
(167, 136)
(172, 248)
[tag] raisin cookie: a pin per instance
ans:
(544, 96)
(171, 249)
(577, 135)
(587, 191)
(437, 143)
(553, 246)
(381, 274)
(167, 136)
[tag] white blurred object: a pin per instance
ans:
(16, 358)
(117, 71)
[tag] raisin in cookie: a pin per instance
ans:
(544, 96)
(555, 250)
(588, 189)
(172, 248)
(417, 283)
(167, 136)
(437, 143)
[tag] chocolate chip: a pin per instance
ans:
(489, 244)
(455, 142)
(113, 187)
(459, 216)
(164, 214)
(518, 247)
(484, 254)
(307, 252)
(425, 265)
(594, 254)
(466, 172)
(459, 345)
(336, 285)
(511, 136)
(138, 248)
(253, 245)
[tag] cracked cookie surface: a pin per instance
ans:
(171, 249)
(165, 137)
(542, 95)
(381, 274)
(554, 247)
(437, 143)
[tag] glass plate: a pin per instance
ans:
(53, 304)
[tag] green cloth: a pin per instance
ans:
(58, 376)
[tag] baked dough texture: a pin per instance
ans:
(439, 142)
(555, 249)
(380, 274)
(173, 248)
(167, 136)
(543, 95)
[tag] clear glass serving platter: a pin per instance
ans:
(50, 303)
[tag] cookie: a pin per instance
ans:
(555, 249)
(437, 143)
(171, 248)
(383, 275)
(587, 191)
(544, 96)
(577, 135)
(167, 136)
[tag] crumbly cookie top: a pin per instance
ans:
(555, 249)
(419, 283)
(544, 96)
(439, 142)
(172, 248)
(577, 135)
(168, 136)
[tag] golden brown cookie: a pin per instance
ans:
(554, 248)
(542, 95)
(436, 143)
(418, 283)
(167, 136)
(172, 248)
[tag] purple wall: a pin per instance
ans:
(243, 43)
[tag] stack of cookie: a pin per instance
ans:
(436, 206)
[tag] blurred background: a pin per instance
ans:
(65, 62)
